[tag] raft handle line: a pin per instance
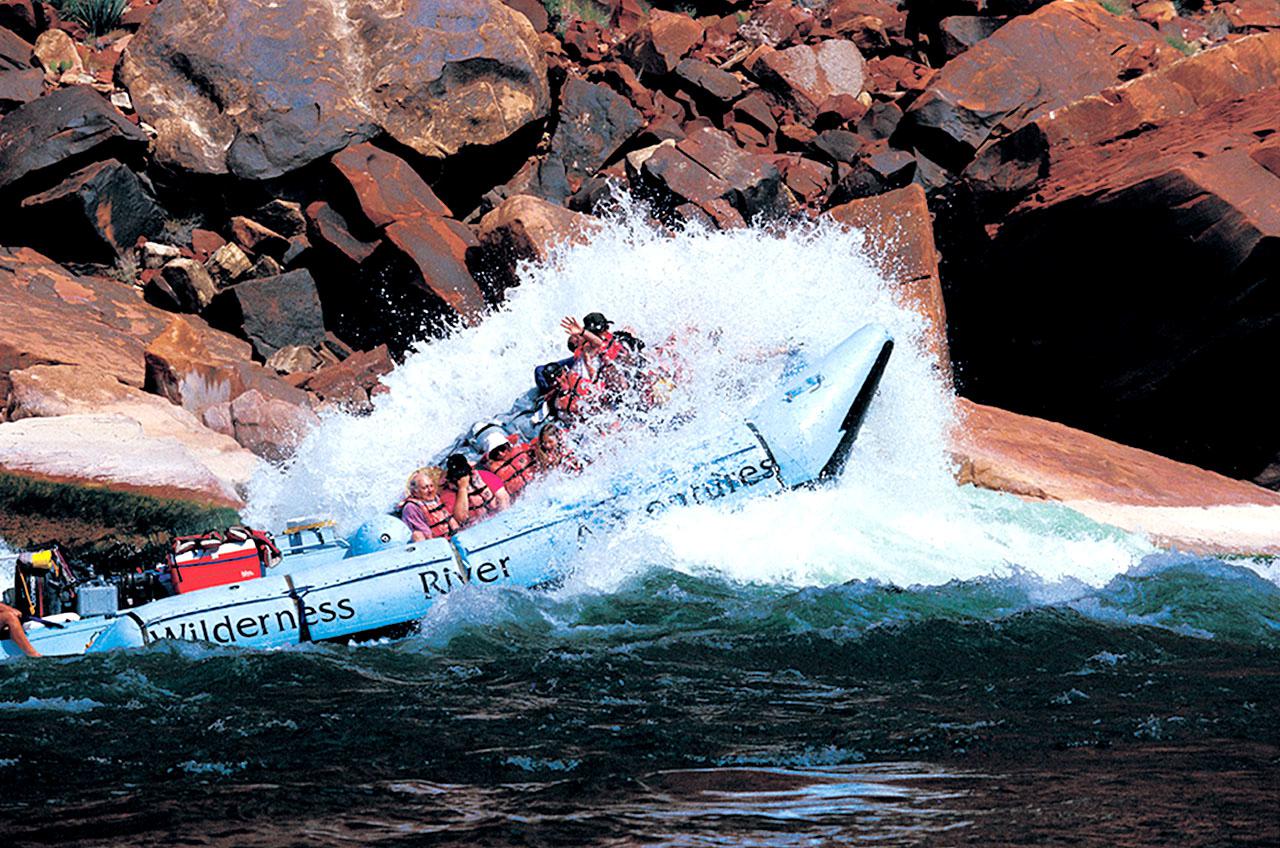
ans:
(142, 626)
(304, 629)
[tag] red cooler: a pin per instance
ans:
(205, 566)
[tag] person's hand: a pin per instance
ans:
(571, 326)
(464, 482)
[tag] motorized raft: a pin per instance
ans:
(322, 587)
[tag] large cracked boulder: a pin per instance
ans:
(307, 79)
(1024, 70)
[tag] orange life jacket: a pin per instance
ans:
(440, 521)
(571, 388)
(517, 469)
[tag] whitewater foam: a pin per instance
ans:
(739, 299)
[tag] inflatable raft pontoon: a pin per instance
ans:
(328, 588)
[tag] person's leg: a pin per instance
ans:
(10, 618)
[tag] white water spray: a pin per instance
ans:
(737, 298)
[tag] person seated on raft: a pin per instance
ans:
(422, 509)
(567, 392)
(11, 620)
(506, 456)
(592, 341)
(485, 494)
(613, 361)
(551, 452)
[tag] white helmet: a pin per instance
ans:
(488, 435)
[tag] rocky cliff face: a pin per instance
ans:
(247, 210)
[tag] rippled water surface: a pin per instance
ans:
(889, 659)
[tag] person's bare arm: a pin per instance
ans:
(502, 497)
(462, 503)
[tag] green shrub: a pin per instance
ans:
(564, 12)
(97, 16)
(1116, 8)
(1177, 42)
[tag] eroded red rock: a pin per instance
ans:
(662, 41)
(899, 240)
(38, 138)
(333, 230)
(1015, 76)
(308, 79)
(803, 77)
(386, 187)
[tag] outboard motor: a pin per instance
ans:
(378, 534)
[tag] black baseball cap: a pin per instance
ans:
(456, 466)
(595, 322)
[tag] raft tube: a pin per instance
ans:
(801, 434)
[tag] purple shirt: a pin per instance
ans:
(414, 515)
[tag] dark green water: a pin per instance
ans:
(687, 710)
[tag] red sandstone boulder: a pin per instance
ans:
(332, 229)
(525, 227)
(96, 214)
(308, 79)
(662, 41)
(803, 77)
(386, 187)
(50, 315)
(898, 233)
(437, 247)
(1017, 75)
(414, 224)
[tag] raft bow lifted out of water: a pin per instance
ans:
(801, 434)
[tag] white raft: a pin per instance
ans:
(801, 434)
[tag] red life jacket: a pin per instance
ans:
(571, 387)
(612, 347)
(440, 521)
(481, 501)
(517, 469)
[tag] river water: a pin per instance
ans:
(891, 659)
